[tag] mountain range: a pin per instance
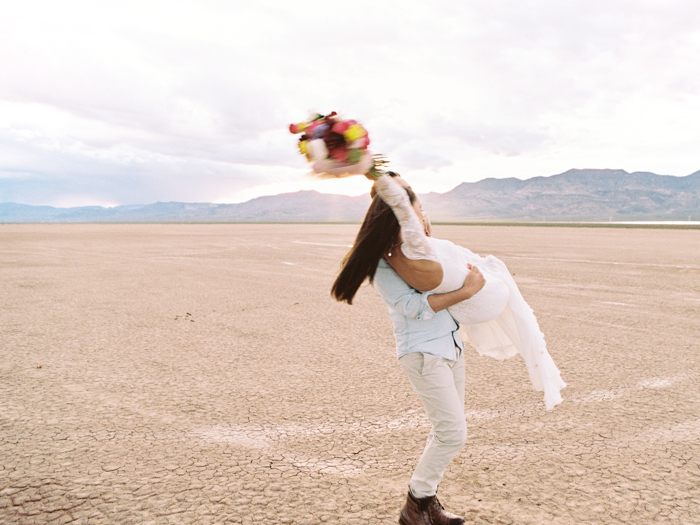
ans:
(576, 195)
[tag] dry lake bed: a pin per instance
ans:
(202, 374)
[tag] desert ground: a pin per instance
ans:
(202, 374)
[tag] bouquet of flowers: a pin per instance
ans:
(334, 146)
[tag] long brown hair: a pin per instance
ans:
(378, 233)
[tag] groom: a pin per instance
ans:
(431, 354)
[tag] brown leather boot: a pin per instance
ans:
(439, 516)
(415, 511)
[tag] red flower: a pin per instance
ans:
(339, 154)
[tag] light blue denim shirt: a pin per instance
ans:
(417, 327)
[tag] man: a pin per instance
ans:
(431, 353)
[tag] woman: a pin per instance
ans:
(496, 321)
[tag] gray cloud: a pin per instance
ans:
(136, 103)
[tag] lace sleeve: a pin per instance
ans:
(416, 244)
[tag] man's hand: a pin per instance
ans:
(474, 282)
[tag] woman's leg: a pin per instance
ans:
(440, 384)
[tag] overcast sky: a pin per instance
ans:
(127, 102)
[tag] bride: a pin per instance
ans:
(496, 320)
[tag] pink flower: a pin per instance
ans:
(342, 126)
(360, 143)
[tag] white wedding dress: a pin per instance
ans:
(496, 321)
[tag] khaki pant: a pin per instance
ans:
(440, 384)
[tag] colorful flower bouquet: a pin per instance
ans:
(335, 147)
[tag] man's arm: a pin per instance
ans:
(420, 305)
(472, 284)
(399, 295)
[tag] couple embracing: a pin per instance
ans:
(437, 294)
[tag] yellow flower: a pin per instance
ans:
(302, 147)
(354, 132)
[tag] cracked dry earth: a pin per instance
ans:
(158, 374)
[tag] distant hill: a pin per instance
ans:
(576, 195)
(573, 195)
(302, 206)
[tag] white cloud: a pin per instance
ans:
(143, 101)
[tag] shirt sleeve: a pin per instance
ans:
(399, 295)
